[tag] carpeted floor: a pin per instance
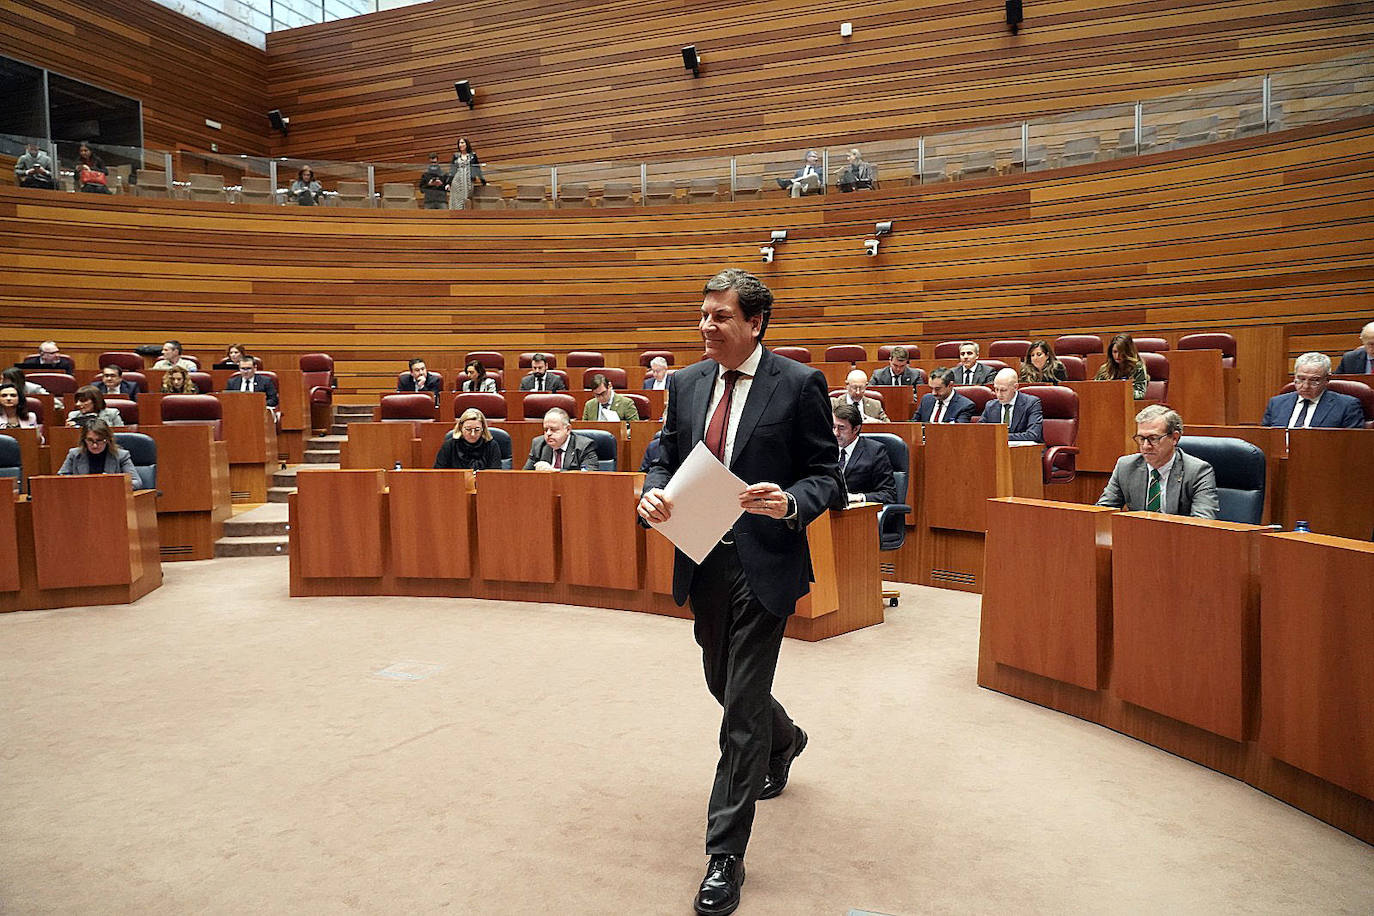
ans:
(221, 748)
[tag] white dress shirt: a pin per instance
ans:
(748, 369)
(1163, 482)
(1297, 408)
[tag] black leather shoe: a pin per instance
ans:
(776, 780)
(719, 892)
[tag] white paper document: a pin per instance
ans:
(705, 500)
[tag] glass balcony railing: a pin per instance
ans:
(1326, 91)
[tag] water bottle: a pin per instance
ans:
(398, 467)
(1300, 527)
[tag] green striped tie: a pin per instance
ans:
(1152, 497)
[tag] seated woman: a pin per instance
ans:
(1124, 364)
(477, 378)
(14, 409)
(1041, 366)
(90, 405)
(178, 381)
(98, 453)
(89, 172)
(305, 190)
(470, 446)
(231, 358)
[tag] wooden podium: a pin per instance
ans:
(251, 432)
(1327, 481)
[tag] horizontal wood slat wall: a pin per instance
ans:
(1256, 236)
(182, 71)
(578, 81)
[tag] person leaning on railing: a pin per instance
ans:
(1124, 364)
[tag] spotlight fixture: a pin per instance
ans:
(883, 228)
(278, 120)
(464, 90)
(691, 60)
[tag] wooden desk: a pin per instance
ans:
(346, 537)
(518, 523)
(1328, 481)
(294, 402)
(1198, 389)
(381, 445)
(31, 458)
(848, 591)
(423, 503)
(9, 544)
(1106, 423)
(251, 433)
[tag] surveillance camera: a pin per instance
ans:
(779, 235)
(883, 228)
(767, 252)
(871, 247)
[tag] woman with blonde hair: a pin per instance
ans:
(470, 445)
(178, 381)
(1124, 364)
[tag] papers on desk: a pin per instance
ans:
(705, 500)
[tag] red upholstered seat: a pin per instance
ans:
(129, 362)
(204, 381)
(408, 405)
(1013, 349)
(36, 408)
(128, 410)
(912, 351)
(317, 375)
(1075, 368)
(192, 409)
(489, 358)
(948, 349)
(995, 364)
(642, 406)
(648, 356)
(1157, 368)
(1060, 431)
(526, 360)
(614, 375)
(1078, 345)
(56, 384)
(800, 354)
(580, 359)
(1212, 340)
(493, 406)
(979, 395)
(1151, 345)
(845, 353)
(1357, 390)
(541, 402)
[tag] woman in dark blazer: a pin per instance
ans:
(98, 453)
(1041, 367)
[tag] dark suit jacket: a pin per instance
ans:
(578, 455)
(1352, 363)
(784, 437)
(433, 384)
(1334, 411)
(982, 375)
(870, 472)
(127, 390)
(909, 376)
(260, 383)
(960, 409)
(551, 382)
(63, 364)
(1027, 418)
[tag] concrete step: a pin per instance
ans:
(358, 413)
(263, 521)
(263, 546)
(330, 441)
(279, 494)
(320, 456)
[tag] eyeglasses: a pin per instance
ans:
(95, 441)
(471, 429)
(1309, 379)
(1151, 440)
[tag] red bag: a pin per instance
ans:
(92, 176)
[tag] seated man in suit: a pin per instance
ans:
(970, 371)
(1162, 478)
(561, 449)
(807, 179)
(112, 384)
(1312, 405)
(539, 378)
(864, 463)
(420, 379)
(249, 380)
(1022, 413)
(171, 356)
(943, 404)
(48, 359)
(657, 379)
(1360, 361)
(897, 371)
(606, 405)
(855, 384)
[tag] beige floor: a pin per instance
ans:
(221, 748)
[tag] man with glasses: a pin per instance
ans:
(1162, 478)
(1312, 406)
(49, 358)
(807, 179)
(113, 384)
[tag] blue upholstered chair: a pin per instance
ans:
(142, 451)
(892, 516)
(605, 447)
(502, 439)
(10, 463)
(1239, 467)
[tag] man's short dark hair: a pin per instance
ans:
(600, 381)
(538, 358)
(118, 370)
(754, 297)
(945, 374)
(249, 359)
(415, 362)
(848, 413)
(175, 344)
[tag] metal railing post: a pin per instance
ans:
(553, 183)
(734, 175)
(1268, 98)
(921, 160)
(643, 183)
(1139, 117)
(371, 185)
(272, 178)
(1025, 146)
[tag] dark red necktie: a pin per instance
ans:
(720, 420)
(558, 459)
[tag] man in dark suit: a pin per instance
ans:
(897, 372)
(970, 371)
(539, 378)
(657, 379)
(944, 404)
(48, 359)
(1162, 478)
(420, 379)
(112, 384)
(560, 449)
(864, 463)
(1360, 361)
(768, 419)
(1023, 414)
(808, 179)
(249, 380)
(1312, 405)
